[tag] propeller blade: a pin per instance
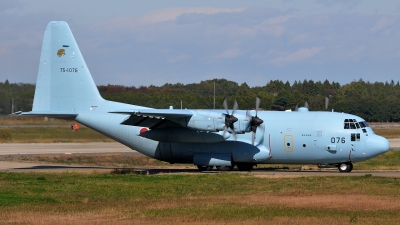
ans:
(234, 134)
(235, 107)
(225, 106)
(306, 104)
(224, 133)
(253, 137)
(326, 102)
(297, 107)
(257, 104)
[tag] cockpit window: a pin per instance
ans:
(353, 124)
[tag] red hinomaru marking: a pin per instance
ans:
(143, 129)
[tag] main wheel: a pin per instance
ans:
(244, 166)
(224, 168)
(204, 168)
(345, 167)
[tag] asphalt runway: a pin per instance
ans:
(18, 150)
(63, 148)
(394, 143)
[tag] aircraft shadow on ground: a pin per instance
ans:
(59, 167)
(155, 171)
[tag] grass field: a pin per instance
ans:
(70, 198)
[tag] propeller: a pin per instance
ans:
(254, 121)
(230, 119)
(326, 102)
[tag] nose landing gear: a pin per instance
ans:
(345, 167)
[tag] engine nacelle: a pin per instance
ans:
(205, 120)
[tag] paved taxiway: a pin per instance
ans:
(16, 150)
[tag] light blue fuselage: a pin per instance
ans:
(289, 137)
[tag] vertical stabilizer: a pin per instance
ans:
(64, 83)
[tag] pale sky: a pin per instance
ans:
(136, 43)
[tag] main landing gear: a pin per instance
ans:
(345, 167)
(240, 166)
(219, 168)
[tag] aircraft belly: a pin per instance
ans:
(109, 125)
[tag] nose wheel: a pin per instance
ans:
(345, 167)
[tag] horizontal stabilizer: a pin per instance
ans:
(50, 114)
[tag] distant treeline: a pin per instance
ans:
(372, 101)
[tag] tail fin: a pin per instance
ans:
(64, 84)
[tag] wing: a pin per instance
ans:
(155, 118)
(169, 114)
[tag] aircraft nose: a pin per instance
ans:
(377, 145)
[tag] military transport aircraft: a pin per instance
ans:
(207, 138)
